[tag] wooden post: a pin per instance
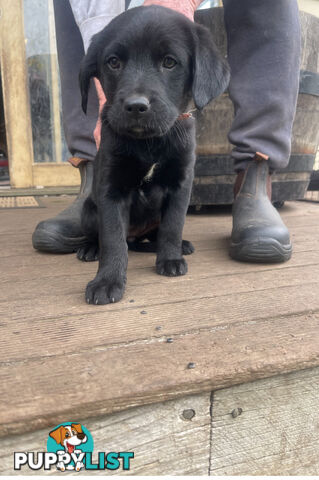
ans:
(54, 90)
(15, 93)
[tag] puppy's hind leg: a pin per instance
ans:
(187, 246)
(88, 252)
(151, 246)
(89, 222)
(170, 260)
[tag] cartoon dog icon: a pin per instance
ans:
(69, 436)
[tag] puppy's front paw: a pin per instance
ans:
(172, 268)
(101, 291)
(88, 253)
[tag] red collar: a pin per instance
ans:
(184, 115)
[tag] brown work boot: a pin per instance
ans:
(63, 233)
(259, 234)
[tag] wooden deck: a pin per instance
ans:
(235, 322)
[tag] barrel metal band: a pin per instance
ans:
(309, 83)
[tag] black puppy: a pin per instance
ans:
(151, 62)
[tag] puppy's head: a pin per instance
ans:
(151, 61)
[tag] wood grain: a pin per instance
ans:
(265, 427)
(237, 322)
(106, 379)
(277, 431)
(15, 94)
(52, 174)
(163, 442)
(65, 327)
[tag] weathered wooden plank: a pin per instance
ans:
(39, 193)
(212, 237)
(179, 308)
(206, 234)
(19, 258)
(211, 255)
(277, 431)
(19, 269)
(19, 250)
(71, 300)
(47, 325)
(266, 427)
(309, 51)
(211, 217)
(103, 380)
(141, 271)
(52, 174)
(163, 441)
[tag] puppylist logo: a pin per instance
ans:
(70, 447)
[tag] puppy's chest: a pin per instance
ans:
(129, 174)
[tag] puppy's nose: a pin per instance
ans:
(136, 105)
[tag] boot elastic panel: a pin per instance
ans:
(259, 234)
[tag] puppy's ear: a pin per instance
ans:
(88, 69)
(211, 72)
(57, 434)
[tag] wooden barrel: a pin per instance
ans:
(214, 173)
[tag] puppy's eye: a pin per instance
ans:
(169, 62)
(67, 434)
(73, 432)
(114, 63)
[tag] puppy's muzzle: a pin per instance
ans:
(136, 107)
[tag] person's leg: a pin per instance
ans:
(264, 56)
(78, 127)
(62, 234)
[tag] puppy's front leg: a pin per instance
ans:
(109, 283)
(170, 261)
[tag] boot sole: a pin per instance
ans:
(56, 243)
(261, 251)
